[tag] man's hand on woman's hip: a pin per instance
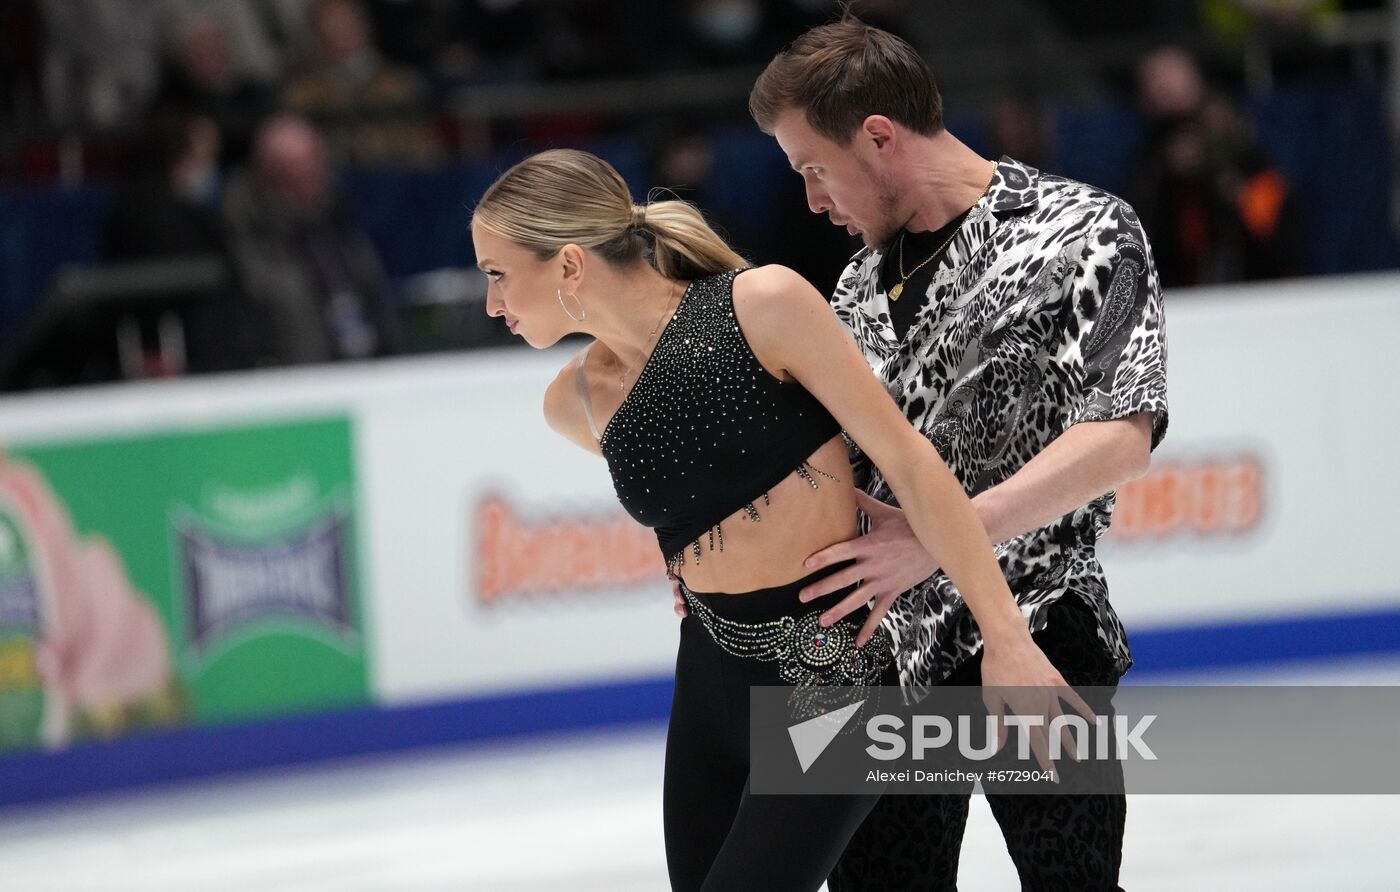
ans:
(889, 560)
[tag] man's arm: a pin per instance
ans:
(1117, 343)
(1086, 461)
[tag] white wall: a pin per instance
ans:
(1302, 379)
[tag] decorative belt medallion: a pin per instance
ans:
(807, 653)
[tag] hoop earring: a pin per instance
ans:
(582, 313)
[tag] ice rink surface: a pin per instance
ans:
(583, 812)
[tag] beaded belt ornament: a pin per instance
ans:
(825, 667)
(808, 656)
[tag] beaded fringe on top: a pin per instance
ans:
(676, 562)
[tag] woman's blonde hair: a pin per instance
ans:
(565, 196)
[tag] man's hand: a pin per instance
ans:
(889, 560)
(680, 607)
(1017, 678)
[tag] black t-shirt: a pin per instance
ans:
(918, 246)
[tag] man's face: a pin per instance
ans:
(292, 163)
(843, 182)
(342, 30)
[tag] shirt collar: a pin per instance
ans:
(1015, 186)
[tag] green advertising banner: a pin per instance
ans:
(190, 577)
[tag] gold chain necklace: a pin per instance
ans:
(898, 289)
(622, 379)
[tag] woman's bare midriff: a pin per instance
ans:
(797, 522)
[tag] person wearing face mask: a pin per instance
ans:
(731, 23)
(718, 395)
(739, 32)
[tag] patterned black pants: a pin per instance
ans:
(1072, 842)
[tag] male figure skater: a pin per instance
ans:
(1017, 319)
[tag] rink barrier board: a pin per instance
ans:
(441, 660)
(187, 754)
(141, 760)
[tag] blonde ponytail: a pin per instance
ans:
(686, 246)
(565, 196)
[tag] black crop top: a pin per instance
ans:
(706, 430)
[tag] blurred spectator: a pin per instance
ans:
(1215, 208)
(1019, 128)
(100, 59)
(314, 277)
(1015, 44)
(154, 322)
(168, 204)
(267, 35)
(683, 164)
(461, 44)
(205, 77)
(1170, 85)
(376, 111)
(735, 32)
(729, 31)
(459, 41)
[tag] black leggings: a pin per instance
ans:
(1070, 842)
(719, 836)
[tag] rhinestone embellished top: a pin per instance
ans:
(707, 430)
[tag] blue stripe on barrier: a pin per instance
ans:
(199, 752)
(1250, 642)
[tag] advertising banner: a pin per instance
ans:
(190, 577)
(410, 534)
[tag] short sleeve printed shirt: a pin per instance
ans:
(1045, 311)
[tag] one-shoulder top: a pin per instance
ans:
(706, 430)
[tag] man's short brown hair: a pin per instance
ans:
(842, 73)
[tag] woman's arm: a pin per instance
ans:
(794, 332)
(564, 413)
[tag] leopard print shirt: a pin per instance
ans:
(1045, 311)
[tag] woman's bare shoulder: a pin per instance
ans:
(774, 306)
(564, 411)
(774, 283)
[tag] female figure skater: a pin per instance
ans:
(717, 395)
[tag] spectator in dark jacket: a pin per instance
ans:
(204, 76)
(376, 112)
(314, 276)
(1215, 208)
(166, 208)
